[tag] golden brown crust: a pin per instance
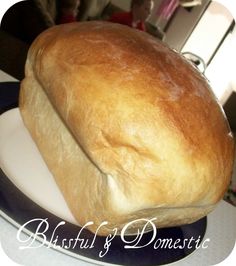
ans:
(146, 121)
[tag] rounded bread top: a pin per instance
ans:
(141, 112)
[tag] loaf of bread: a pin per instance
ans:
(128, 128)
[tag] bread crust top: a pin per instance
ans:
(144, 116)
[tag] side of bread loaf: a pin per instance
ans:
(127, 127)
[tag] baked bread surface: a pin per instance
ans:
(128, 128)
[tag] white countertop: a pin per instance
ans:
(5, 77)
(220, 233)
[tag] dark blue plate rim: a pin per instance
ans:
(19, 210)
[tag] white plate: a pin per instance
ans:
(21, 161)
(28, 191)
